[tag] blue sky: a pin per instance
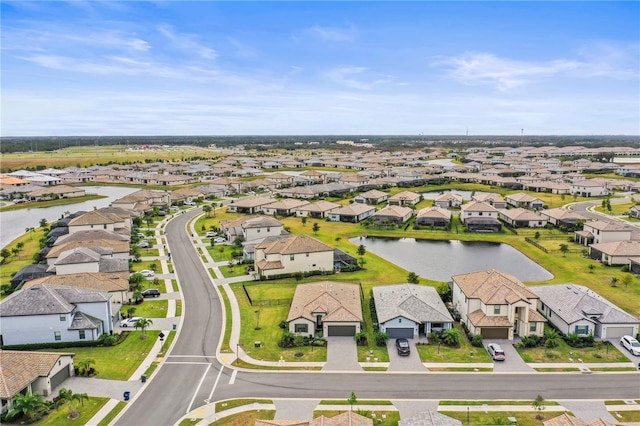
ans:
(320, 68)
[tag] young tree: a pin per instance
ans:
(6, 254)
(85, 365)
(316, 228)
(564, 248)
(591, 267)
(142, 324)
(451, 337)
(552, 338)
(207, 209)
(362, 250)
(413, 278)
(614, 281)
(153, 267)
(304, 220)
(130, 311)
(626, 280)
(538, 405)
(43, 223)
(353, 399)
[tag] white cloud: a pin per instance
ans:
(333, 33)
(354, 77)
(187, 43)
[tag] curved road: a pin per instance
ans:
(192, 376)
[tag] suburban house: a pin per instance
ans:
(144, 200)
(114, 248)
(405, 198)
(615, 252)
(448, 200)
(97, 220)
(284, 207)
(397, 215)
(562, 217)
(496, 305)
(522, 218)
(433, 216)
(492, 199)
(329, 307)
(249, 205)
(37, 373)
(598, 231)
(251, 227)
(317, 210)
(589, 188)
(410, 310)
(352, 213)
(45, 313)
(576, 309)
(84, 259)
(371, 197)
(566, 419)
(478, 216)
(634, 211)
(297, 253)
(55, 192)
(527, 201)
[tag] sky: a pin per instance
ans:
(72, 68)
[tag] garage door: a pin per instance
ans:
(495, 333)
(618, 332)
(341, 330)
(396, 333)
(59, 377)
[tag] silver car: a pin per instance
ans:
(496, 352)
(630, 344)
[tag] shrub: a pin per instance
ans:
(288, 339)
(531, 341)
(476, 341)
(451, 337)
(381, 338)
(109, 341)
(283, 325)
(361, 338)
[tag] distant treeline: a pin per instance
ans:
(26, 144)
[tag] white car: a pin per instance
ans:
(630, 344)
(147, 273)
(219, 240)
(129, 322)
(211, 234)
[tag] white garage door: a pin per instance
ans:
(613, 332)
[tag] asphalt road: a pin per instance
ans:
(191, 375)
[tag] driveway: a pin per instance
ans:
(632, 358)
(342, 354)
(404, 363)
(513, 362)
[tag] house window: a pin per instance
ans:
(399, 320)
(268, 229)
(302, 328)
(291, 257)
(533, 327)
(307, 254)
(480, 214)
(319, 320)
(496, 309)
(63, 317)
(57, 335)
(582, 329)
(81, 334)
(258, 230)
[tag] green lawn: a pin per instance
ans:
(24, 257)
(178, 312)
(228, 322)
(497, 418)
(154, 252)
(149, 309)
(233, 271)
(241, 419)
(494, 402)
(626, 416)
(120, 361)
(431, 353)
(562, 354)
(146, 264)
(383, 418)
(50, 203)
(60, 416)
(233, 403)
(112, 414)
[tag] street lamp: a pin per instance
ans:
(238, 346)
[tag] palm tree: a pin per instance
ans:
(552, 338)
(28, 405)
(142, 324)
(86, 364)
(74, 399)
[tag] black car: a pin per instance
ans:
(151, 292)
(402, 345)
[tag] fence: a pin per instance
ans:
(552, 251)
(272, 302)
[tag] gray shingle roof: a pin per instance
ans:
(573, 302)
(418, 303)
(45, 299)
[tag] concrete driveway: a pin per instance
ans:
(632, 358)
(513, 362)
(404, 363)
(342, 354)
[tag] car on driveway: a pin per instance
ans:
(147, 273)
(144, 244)
(151, 292)
(496, 352)
(219, 240)
(211, 234)
(129, 322)
(403, 348)
(630, 344)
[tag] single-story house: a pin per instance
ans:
(353, 213)
(317, 210)
(562, 217)
(433, 216)
(249, 205)
(405, 198)
(492, 199)
(496, 305)
(616, 252)
(577, 309)
(285, 207)
(522, 218)
(371, 197)
(329, 307)
(521, 199)
(410, 310)
(448, 200)
(397, 215)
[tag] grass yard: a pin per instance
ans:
(241, 419)
(617, 209)
(224, 347)
(561, 354)
(113, 413)
(267, 319)
(495, 402)
(60, 417)
(430, 352)
(525, 418)
(383, 418)
(50, 203)
(233, 271)
(149, 252)
(221, 252)
(233, 403)
(178, 312)
(626, 416)
(149, 309)
(120, 361)
(146, 264)
(31, 245)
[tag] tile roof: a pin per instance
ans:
(619, 248)
(320, 206)
(45, 299)
(493, 287)
(114, 246)
(394, 211)
(521, 214)
(92, 234)
(255, 201)
(606, 226)
(418, 303)
(94, 218)
(562, 214)
(294, 244)
(477, 206)
(339, 301)
(435, 212)
(18, 369)
(354, 209)
(479, 319)
(118, 281)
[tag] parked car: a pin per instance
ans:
(140, 235)
(402, 345)
(219, 240)
(630, 344)
(162, 213)
(129, 322)
(189, 203)
(174, 209)
(211, 234)
(147, 273)
(151, 292)
(20, 200)
(496, 352)
(144, 244)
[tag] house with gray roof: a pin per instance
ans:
(85, 259)
(577, 309)
(410, 310)
(46, 314)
